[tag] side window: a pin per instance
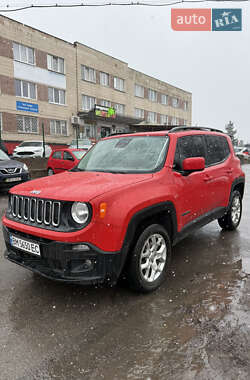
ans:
(188, 146)
(57, 155)
(217, 149)
(67, 156)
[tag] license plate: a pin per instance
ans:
(13, 179)
(25, 245)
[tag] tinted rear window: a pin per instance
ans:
(217, 149)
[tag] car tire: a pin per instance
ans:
(231, 219)
(50, 171)
(150, 259)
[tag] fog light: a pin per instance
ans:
(88, 264)
(81, 247)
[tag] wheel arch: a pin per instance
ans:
(239, 185)
(163, 213)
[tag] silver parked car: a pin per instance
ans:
(82, 144)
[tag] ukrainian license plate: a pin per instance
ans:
(14, 179)
(25, 245)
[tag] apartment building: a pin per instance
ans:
(70, 89)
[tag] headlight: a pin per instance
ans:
(80, 212)
(25, 168)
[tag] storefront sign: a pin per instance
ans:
(105, 111)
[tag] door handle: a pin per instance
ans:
(229, 171)
(207, 178)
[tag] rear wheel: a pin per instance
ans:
(150, 259)
(50, 171)
(231, 219)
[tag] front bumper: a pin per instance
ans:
(60, 261)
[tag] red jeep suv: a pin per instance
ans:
(129, 200)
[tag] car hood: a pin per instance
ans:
(77, 186)
(10, 164)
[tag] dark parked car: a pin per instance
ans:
(3, 147)
(12, 172)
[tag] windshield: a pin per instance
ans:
(3, 156)
(30, 143)
(136, 154)
(79, 153)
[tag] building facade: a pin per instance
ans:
(68, 89)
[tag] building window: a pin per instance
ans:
(164, 99)
(104, 79)
(139, 91)
(88, 102)
(185, 105)
(88, 74)
(164, 119)
(175, 121)
(120, 108)
(139, 113)
(27, 124)
(175, 102)
(105, 103)
(58, 127)
(56, 96)
(25, 89)
(152, 95)
(55, 63)
(119, 84)
(23, 53)
(152, 117)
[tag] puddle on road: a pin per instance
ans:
(246, 265)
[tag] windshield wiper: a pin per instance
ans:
(76, 169)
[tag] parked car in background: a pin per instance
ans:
(242, 152)
(64, 159)
(12, 172)
(82, 144)
(31, 149)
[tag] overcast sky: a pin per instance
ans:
(214, 66)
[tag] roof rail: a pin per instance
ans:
(183, 128)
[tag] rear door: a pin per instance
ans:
(218, 172)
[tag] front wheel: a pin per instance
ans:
(231, 219)
(50, 171)
(150, 259)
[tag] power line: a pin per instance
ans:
(12, 8)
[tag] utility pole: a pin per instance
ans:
(43, 140)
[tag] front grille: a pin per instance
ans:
(35, 211)
(11, 171)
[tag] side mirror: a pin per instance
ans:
(193, 164)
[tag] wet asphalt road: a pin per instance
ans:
(196, 326)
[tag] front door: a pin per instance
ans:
(190, 188)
